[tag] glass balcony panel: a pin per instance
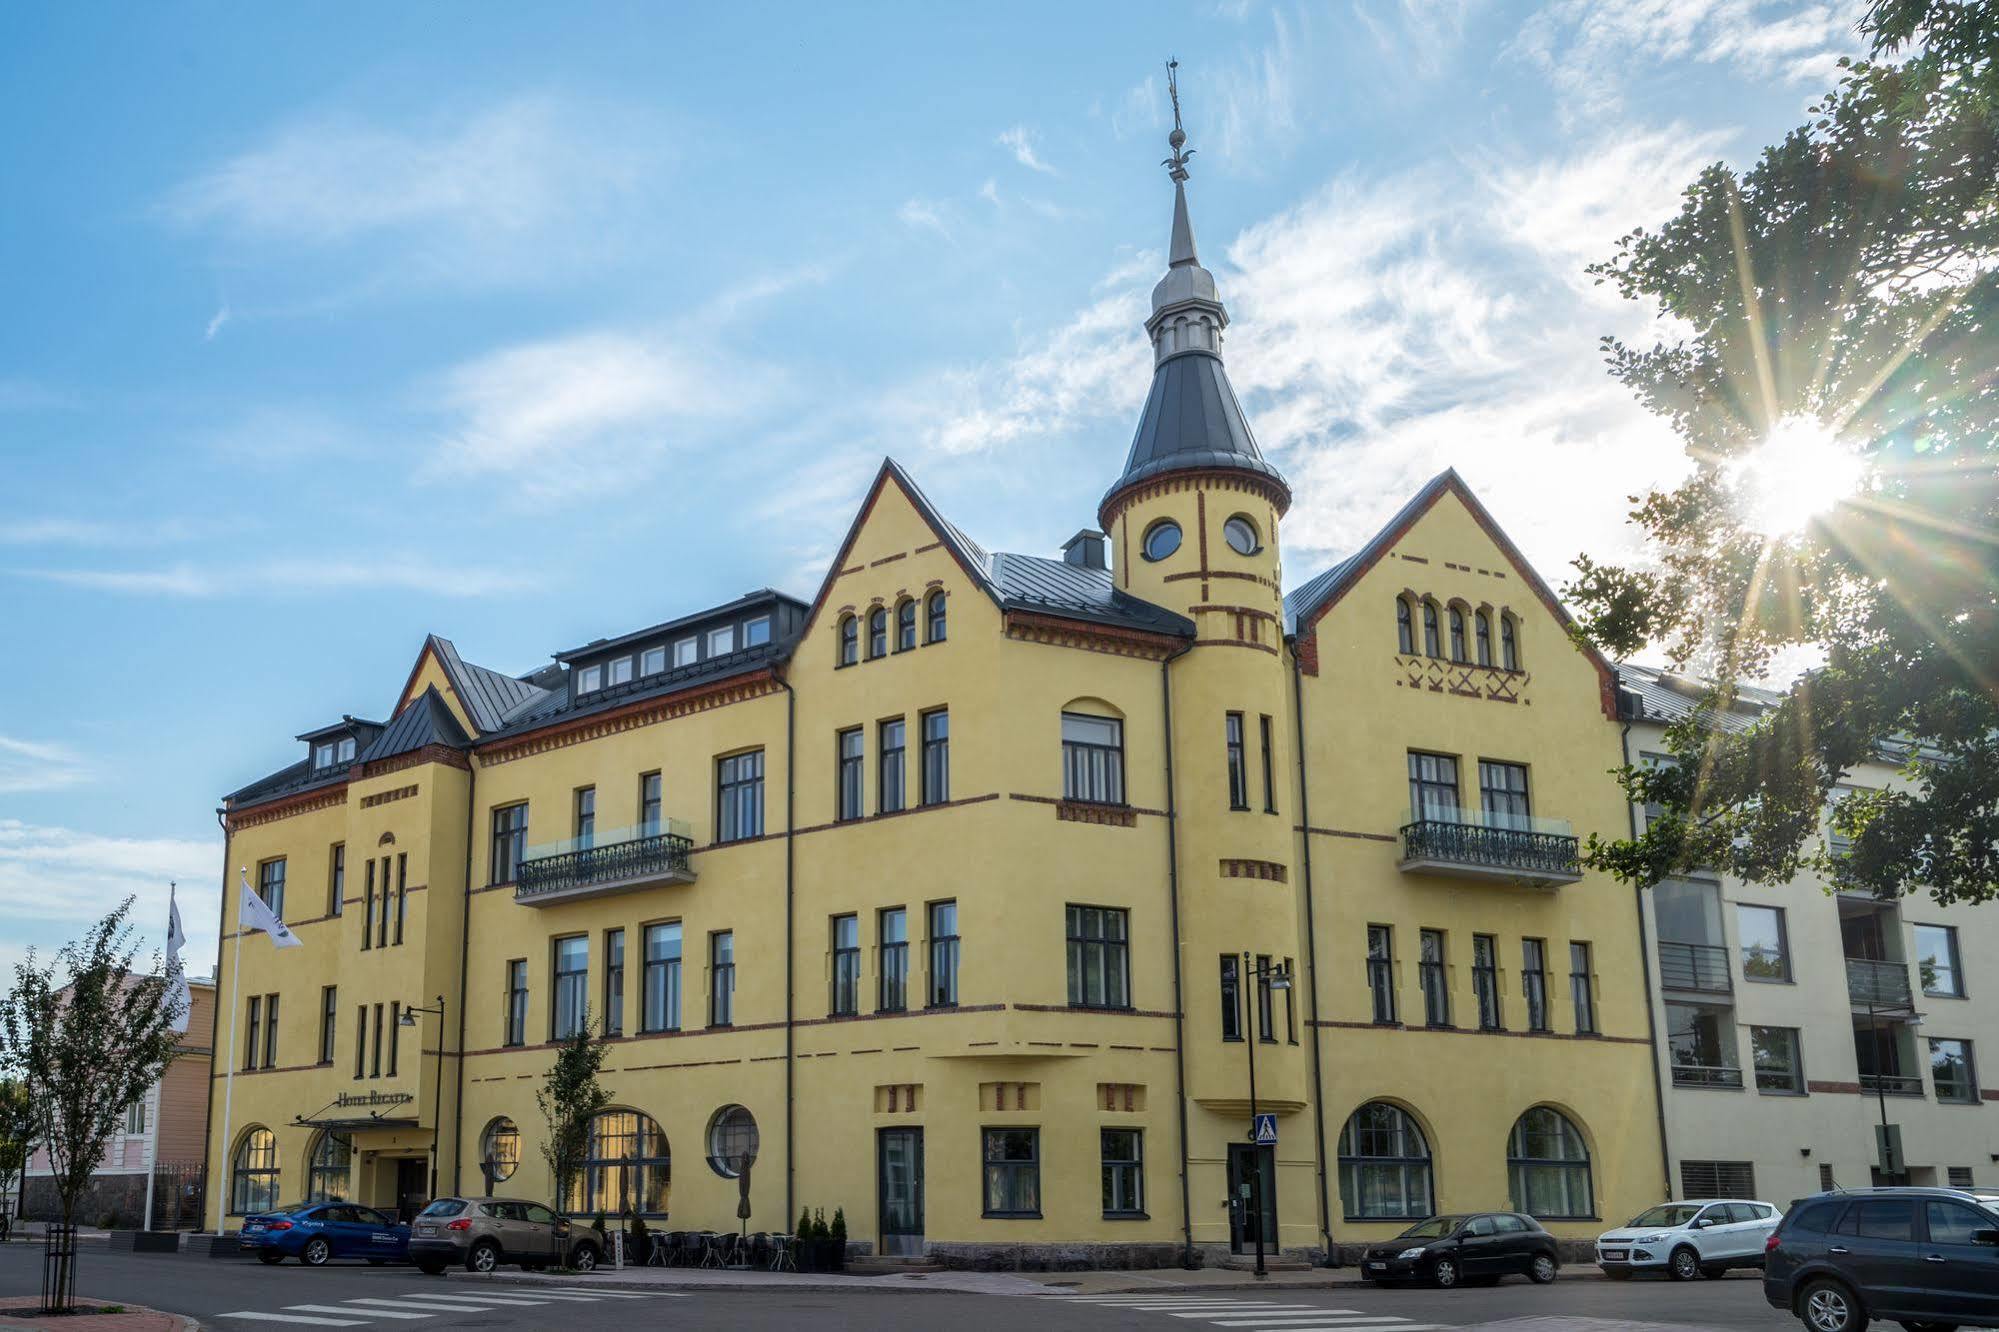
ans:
(1878, 986)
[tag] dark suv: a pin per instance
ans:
(1927, 1258)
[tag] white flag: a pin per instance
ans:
(253, 914)
(177, 992)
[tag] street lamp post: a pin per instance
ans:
(437, 1095)
(1276, 978)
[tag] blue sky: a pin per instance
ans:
(327, 326)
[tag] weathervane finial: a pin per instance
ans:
(1176, 165)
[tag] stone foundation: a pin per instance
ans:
(968, 1257)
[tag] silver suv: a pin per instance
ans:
(482, 1233)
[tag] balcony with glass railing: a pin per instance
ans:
(1877, 986)
(1695, 967)
(1706, 1075)
(619, 860)
(1476, 844)
(1890, 1084)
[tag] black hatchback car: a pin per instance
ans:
(1926, 1258)
(1475, 1249)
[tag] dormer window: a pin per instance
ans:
(757, 631)
(323, 756)
(686, 652)
(722, 641)
(653, 661)
(619, 670)
(590, 679)
(344, 751)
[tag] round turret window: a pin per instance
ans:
(1161, 539)
(1240, 533)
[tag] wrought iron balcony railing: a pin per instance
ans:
(1706, 1075)
(1890, 1084)
(1691, 966)
(1880, 986)
(1532, 854)
(597, 868)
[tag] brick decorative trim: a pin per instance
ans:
(386, 797)
(1342, 832)
(445, 754)
(1272, 492)
(1109, 816)
(1054, 631)
(306, 802)
(1256, 869)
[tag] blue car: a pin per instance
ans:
(317, 1233)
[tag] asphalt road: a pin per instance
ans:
(232, 1297)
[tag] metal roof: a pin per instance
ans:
(426, 721)
(744, 602)
(290, 780)
(488, 695)
(556, 705)
(1315, 592)
(1056, 587)
(1192, 421)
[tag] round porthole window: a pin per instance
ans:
(1240, 533)
(732, 1141)
(1161, 539)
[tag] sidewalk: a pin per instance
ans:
(136, 1318)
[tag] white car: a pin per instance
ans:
(1698, 1237)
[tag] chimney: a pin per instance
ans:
(1085, 550)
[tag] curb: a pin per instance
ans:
(735, 1287)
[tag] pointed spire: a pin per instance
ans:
(1182, 251)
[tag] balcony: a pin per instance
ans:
(1707, 1075)
(1878, 987)
(1540, 853)
(631, 859)
(1890, 1084)
(1701, 968)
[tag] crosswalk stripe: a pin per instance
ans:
(612, 1294)
(1278, 1309)
(480, 1299)
(1374, 1325)
(435, 1303)
(537, 1293)
(255, 1317)
(343, 1309)
(1288, 1318)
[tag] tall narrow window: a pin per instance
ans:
(650, 791)
(368, 907)
(1231, 997)
(517, 1002)
(1269, 767)
(1405, 628)
(614, 982)
(1431, 646)
(510, 840)
(1937, 961)
(1766, 952)
(661, 993)
(1534, 982)
(271, 886)
(1433, 788)
(1099, 957)
(1485, 980)
(1123, 1153)
(1238, 764)
(1482, 630)
(722, 979)
(1436, 986)
(375, 1056)
(852, 768)
(395, 1034)
(934, 613)
(846, 998)
(936, 757)
(1381, 972)
(1266, 1006)
(254, 1021)
(1502, 794)
(892, 793)
(850, 640)
(388, 905)
(586, 817)
(1509, 647)
(360, 1040)
(905, 625)
(894, 935)
(877, 633)
(943, 954)
(570, 992)
(329, 1017)
(402, 891)
(270, 1031)
(1458, 635)
(336, 880)
(1092, 759)
(1582, 993)
(739, 791)
(1013, 1171)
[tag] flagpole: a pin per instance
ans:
(229, 1075)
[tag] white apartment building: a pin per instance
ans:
(1791, 1021)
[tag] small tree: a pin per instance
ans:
(569, 1098)
(16, 1133)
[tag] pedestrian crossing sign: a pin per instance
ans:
(1263, 1130)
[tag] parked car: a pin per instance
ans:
(482, 1233)
(317, 1233)
(1926, 1258)
(1474, 1249)
(1698, 1237)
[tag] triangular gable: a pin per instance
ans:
(439, 653)
(1309, 604)
(971, 557)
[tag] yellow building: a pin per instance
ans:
(963, 896)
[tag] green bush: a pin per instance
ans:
(804, 1229)
(839, 1231)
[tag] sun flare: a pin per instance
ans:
(1799, 472)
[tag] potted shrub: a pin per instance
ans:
(837, 1240)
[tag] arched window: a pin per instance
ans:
(1431, 647)
(1482, 627)
(500, 1148)
(1547, 1165)
(1458, 635)
(327, 1173)
(877, 633)
(253, 1173)
(935, 606)
(905, 625)
(626, 1165)
(1509, 647)
(1405, 629)
(732, 1138)
(1384, 1165)
(850, 640)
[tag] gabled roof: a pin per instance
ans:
(489, 697)
(1192, 422)
(427, 721)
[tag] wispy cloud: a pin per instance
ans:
(1139, 110)
(1248, 108)
(30, 765)
(54, 881)
(54, 531)
(290, 579)
(928, 215)
(1020, 142)
(215, 323)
